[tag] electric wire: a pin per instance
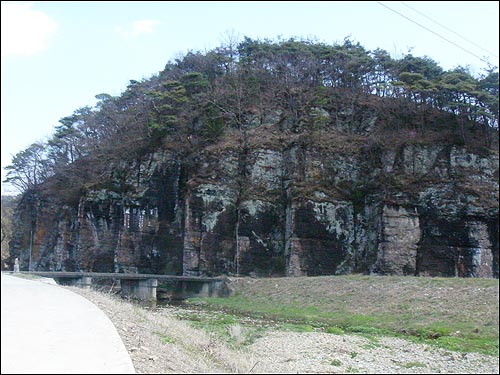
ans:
(442, 37)
(450, 30)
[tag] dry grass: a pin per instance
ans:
(432, 299)
(460, 314)
(160, 343)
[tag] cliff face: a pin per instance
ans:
(282, 206)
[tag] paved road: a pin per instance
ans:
(47, 329)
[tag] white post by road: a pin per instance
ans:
(16, 265)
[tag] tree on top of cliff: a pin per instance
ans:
(295, 85)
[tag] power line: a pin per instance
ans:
(442, 37)
(444, 27)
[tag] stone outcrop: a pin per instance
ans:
(285, 209)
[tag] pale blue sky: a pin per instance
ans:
(56, 56)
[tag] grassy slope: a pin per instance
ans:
(453, 313)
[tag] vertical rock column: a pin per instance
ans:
(397, 251)
(209, 238)
(192, 239)
(480, 251)
(293, 250)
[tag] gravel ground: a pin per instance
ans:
(288, 352)
(158, 342)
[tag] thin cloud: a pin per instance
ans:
(25, 32)
(138, 28)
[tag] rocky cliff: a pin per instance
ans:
(272, 203)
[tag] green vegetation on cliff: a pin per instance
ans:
(294, 86)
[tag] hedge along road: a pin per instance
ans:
(50, 330)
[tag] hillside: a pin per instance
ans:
(269, 158)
